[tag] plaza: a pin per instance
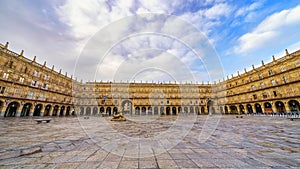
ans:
(94, 142)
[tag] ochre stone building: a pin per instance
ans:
(28, 88)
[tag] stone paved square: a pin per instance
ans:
(248, 142)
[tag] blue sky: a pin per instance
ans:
(241, 32)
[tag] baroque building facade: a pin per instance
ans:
(28, 88)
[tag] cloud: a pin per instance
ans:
(277, 30)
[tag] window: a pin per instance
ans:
(260, 76)
(297, 63)
(5, 75)
(282, 68)
(167, 101)
(273, 82)
(252, 87)
(45, 86)
(34, 83)
(284, 79)
(42, 97)
(251, 79)
(254, 96)
(21, 80)
(275, 94)
(270, 72)
(46, 77)
(36, 73)
(264, 95)
(2, 89)
(262, 85)
(30, 95)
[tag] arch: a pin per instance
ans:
(149, 110)
(202, 109)
(95, 111)
(162, 110)
(1, 105)
(258, 108)
(37, 110)
(115, 110)
(88, 111)
(108, 111)
(26, 110)
(179, 110)
(221, 109)
(81, 111)
(143, 111)
(242, 109)
(294, 106)
(47, 110)
(137, 110)
(226, 110)
(268, 107)
(185, 109)
(210, 107)
(68, 111)
(233, 109)
(11, 110)
(155, 110)
(55, 110)
(101, 109)
(127, 107)
(174, 111)
(191, 109)
(61, 112)
(168, 111)
(280, 107)
(249, 109)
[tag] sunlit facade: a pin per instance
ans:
(28, 88)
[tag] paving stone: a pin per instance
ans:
(253, 142)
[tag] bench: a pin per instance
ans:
(42, 120)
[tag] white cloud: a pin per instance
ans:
(279, 29)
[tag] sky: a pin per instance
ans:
(151, 40)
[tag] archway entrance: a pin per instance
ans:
(126, 107)
(55, 110)
(185, 109)
(81, 111)
(108, 111)
(26, 110)
(11, 110)
(47, 110)
(191, 109)
(233, 110)
(226, 110)
(62, 109)
(268, 107)
(249, 109)
(162, 111)
(137, 110)
(101, 110)
(242, 109)
(202, 109)
(115, 110)
(68, 111)
(173, 110)
(179, 110)
(88, 111)
(258, 108)
(155, 110)
(294, 106)
(143, 110)
(149, 110)
(280, 107)
(168, 110)
(95, 111)
(37, 110)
